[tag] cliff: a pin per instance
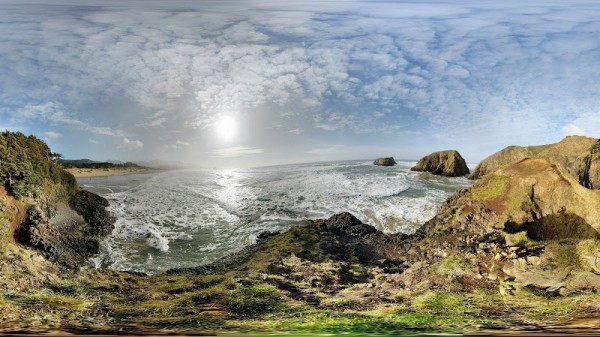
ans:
(566, 153)
(52, 215)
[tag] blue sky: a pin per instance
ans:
(302, 81)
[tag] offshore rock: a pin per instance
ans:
(564, 153)
(446, 163)
(73, 234)
(385, 161)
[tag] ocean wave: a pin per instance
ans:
(188, 218)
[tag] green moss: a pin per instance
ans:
(489, 188)
(453, 266)
(519, 239)
(564, 254)
(339, 303)
(443, 303)
(253, 299)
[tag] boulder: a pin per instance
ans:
(72, 234)
(565, 153)
(385, 161)
(446, 163)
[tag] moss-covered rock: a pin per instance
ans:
(446, 163)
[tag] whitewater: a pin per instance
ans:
(177, 219)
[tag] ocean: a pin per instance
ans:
(187, 218)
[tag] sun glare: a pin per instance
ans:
(226, 127)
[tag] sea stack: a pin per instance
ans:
(385, 161)
(446, 163)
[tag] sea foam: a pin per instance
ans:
(188, 218)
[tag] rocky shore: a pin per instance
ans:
(517, 250)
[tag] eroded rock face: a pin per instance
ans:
(587, 168)
(74, 232)
(385, 161)
(446, 163)
(548, 225)
(565, 153)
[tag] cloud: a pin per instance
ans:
(127, 144)
(93, 141)
(179, 144)
(53, 113)
(463, 71)
(237, 151)
(586, 125)
(53, 135)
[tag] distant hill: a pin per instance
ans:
(91, 164)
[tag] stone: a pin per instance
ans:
(385, 161)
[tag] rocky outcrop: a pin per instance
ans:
(72, 233)
(541, 217)
(446, 163)
(385, 161)
(587, 168)
(564, 153)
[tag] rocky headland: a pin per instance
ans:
(517, 250)
(445, 163)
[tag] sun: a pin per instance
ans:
(226, 128)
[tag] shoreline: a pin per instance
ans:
(110, 172)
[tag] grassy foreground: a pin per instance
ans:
(306, 293)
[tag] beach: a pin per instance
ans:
(109, 172)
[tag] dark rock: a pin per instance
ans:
(446, 163)
(349, 224)
(92, 208)
(385, 161)
(68, 239)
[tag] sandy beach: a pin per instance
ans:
(89, 173)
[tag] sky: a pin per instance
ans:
(257, 82)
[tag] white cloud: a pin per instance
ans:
(586, 125)
(127, 144)
(179, 144)
(237, 151)
(93, 141)
(53, 134)
(53, 113)
(452, 69)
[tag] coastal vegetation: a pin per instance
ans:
(518, 250)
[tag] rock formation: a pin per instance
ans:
(385, 161)
(587, 168)
(72, 232)
(565, 153)
(446, 163)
